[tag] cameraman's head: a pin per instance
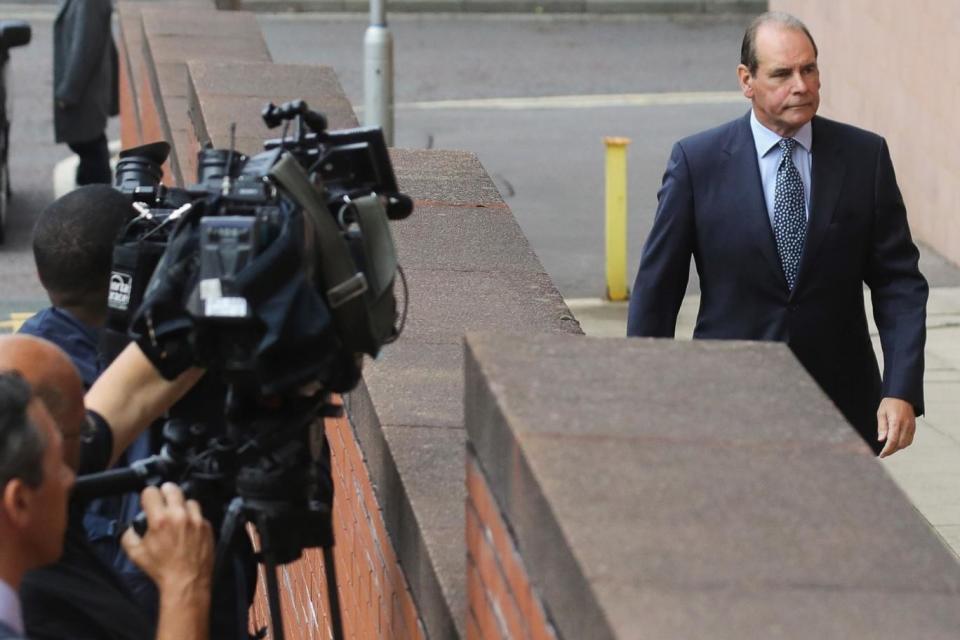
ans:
(73, 247)
(34, 481)
(55, 383)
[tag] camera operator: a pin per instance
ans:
(278, 279)
(73, 245)
(73, 241)
(80, 596)
(73, 248)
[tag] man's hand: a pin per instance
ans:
(177, 550)
(896, 424)
(177, 553)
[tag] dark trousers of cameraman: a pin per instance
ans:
(94, 167)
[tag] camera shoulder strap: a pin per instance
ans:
(343, 283)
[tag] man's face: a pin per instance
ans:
(785, 90)
(48, 502)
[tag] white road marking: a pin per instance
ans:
(24, 12)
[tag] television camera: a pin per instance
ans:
(276, 272)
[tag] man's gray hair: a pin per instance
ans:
(748, 50)
(21, 443)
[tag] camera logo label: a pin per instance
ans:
(231, 307)
(121, 285)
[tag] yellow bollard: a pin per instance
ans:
(616, 230)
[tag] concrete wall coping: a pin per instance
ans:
(169, 39)
(663, 489)
(223, 93)
(468, 266)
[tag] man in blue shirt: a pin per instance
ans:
(73, 248)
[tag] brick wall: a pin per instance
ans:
(502, 601)
(892, 67)
(374, 597)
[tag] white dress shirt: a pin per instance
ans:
(768, 158)
(10, 612)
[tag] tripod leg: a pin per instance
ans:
(273, 597)
(227, 530)
(333, 596)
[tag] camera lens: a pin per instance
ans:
(141, 166)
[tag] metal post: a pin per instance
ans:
(616, 225)
(378, 72)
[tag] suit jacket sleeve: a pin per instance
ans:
(6, 633)
(898, 290)
(88, 26)
(665, 264)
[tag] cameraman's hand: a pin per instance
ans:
(177, 553)
(177, 549)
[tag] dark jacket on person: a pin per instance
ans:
(711, 207)
(6, 633)
(84, 70)
(80, 597)
(104, 516)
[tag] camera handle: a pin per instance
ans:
(142, 473)
(273, 116)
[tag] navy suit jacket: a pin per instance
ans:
(711, 207)
(6, 633)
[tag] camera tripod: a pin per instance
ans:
(270, 469)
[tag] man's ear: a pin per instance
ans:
(746, 80)
(17, 499)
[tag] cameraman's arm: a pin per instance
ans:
(131, 394)
(177, 553)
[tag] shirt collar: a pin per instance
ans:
(92, 333)
(766, 140)
(10, 612)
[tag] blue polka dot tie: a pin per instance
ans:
(789, 213)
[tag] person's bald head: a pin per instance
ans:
(54, 380)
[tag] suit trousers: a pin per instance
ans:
(94, 167)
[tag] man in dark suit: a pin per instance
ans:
(85, 84)
(44, 436)
(787, 215)
(34, 484)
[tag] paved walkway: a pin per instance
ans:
(929, 471)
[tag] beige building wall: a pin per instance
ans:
(893, 67)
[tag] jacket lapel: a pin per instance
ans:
(745, 178)
(825, 181)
